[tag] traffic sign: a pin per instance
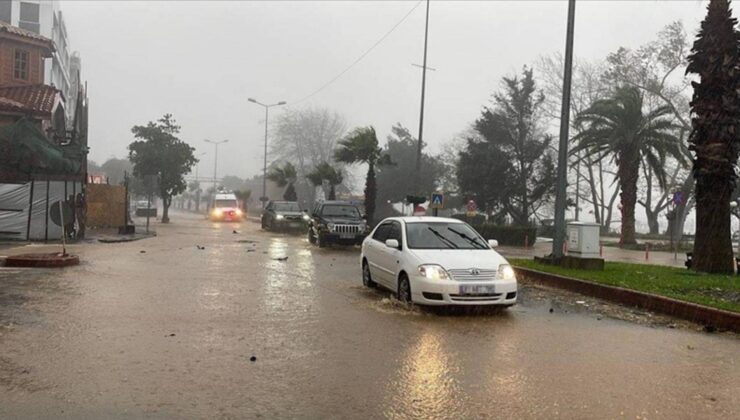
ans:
(472, 208)
(678, 198)
(437, 201)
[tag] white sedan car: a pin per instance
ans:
(436, 261)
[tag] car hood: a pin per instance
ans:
(451, 259)
(289, 213)
(342, 220)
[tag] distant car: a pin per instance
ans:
(283, 215)
(144, 208)
(336, 222)
(225, 208)
(436, 261)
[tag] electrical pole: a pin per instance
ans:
(417, 177)
(215, 161)
(562, 179)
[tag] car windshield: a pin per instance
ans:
(287, 207)
(225, 203)
(340, 211)
(440, 235)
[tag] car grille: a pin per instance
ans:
(351, 229)
(488, 297)
(467, 274)
(293, 218)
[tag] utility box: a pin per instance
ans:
(583, 240)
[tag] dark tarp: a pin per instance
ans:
(25, 148)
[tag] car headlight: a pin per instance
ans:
(363, 227)
(306, 217)
(217, 212)
(238, 212)
(279, 217)
(506, 272)
(433, 272)
(330, 226)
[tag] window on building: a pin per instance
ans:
(29, 19)
(5, 6)
(20, 68)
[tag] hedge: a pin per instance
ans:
(505, 234)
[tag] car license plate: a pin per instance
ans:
(477, 289)
(346, 236)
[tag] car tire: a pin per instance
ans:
(272, 225)
(321, 240)
(404, 289)
(311, 238)
(264, 225)
(367, 279)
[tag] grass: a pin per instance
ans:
(718, 291)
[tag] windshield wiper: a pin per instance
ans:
(443, 238)
(473, 241)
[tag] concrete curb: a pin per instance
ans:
(718, 318)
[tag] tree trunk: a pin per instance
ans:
(653, 223)
(166, 201)
(594, 194)
(332, 193)
(629, 171)
(713, 245)
(370, 193)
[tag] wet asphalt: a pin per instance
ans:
(202, 322)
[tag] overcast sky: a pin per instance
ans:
(201, 61)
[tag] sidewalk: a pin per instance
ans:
(610, 254)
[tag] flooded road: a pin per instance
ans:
(161, 328)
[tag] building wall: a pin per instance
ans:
(57, 70)
(7, 63)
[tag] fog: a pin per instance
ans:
(201, 60)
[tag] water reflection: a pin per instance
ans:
(426, 385)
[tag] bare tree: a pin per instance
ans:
(307, 137)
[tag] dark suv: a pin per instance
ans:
(336, 222)
(283, 215)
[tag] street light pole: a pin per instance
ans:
(559, 239)
(263, 199)
(215, 162)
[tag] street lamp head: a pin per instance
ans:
(252, 100)
(207, 141)
(281, 103)
(225, 141)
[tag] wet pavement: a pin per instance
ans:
(202, 322)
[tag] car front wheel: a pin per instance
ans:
(367, 279)
(311, 238)
(404, 289)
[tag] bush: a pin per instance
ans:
(478, 219)
(508, 235)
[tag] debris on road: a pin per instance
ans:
(142, 252)
(281, 259)
(200, 247)
(234, 232)
(253, 359)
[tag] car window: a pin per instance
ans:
(339, 210)
(442, 235)
(395, 232)
(381, 233)
(225, 203)
(292, 207)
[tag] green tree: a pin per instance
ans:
(715, 57)
(159, 152)
(116, 169)
(285, 177)
(361, 146)
(617, 128)
(325, 172)
(243, 196)
(507, 166)
(397, 180)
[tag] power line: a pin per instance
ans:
(325, 85)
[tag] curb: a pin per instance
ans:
(693, 312)
(53, 260)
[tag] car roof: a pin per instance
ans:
(344, 203)
(282, 201)
(424, 219)
(225, 195)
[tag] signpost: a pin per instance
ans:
(437, 202)
(62, 214)
(471, 209)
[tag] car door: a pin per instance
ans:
(389, 258)
(373, 251)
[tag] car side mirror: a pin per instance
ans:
(392, 243)
(492, 243)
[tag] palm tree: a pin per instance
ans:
(715, 57)
(617, 127)
(285, 176)
(361, 146)
(325, 172)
